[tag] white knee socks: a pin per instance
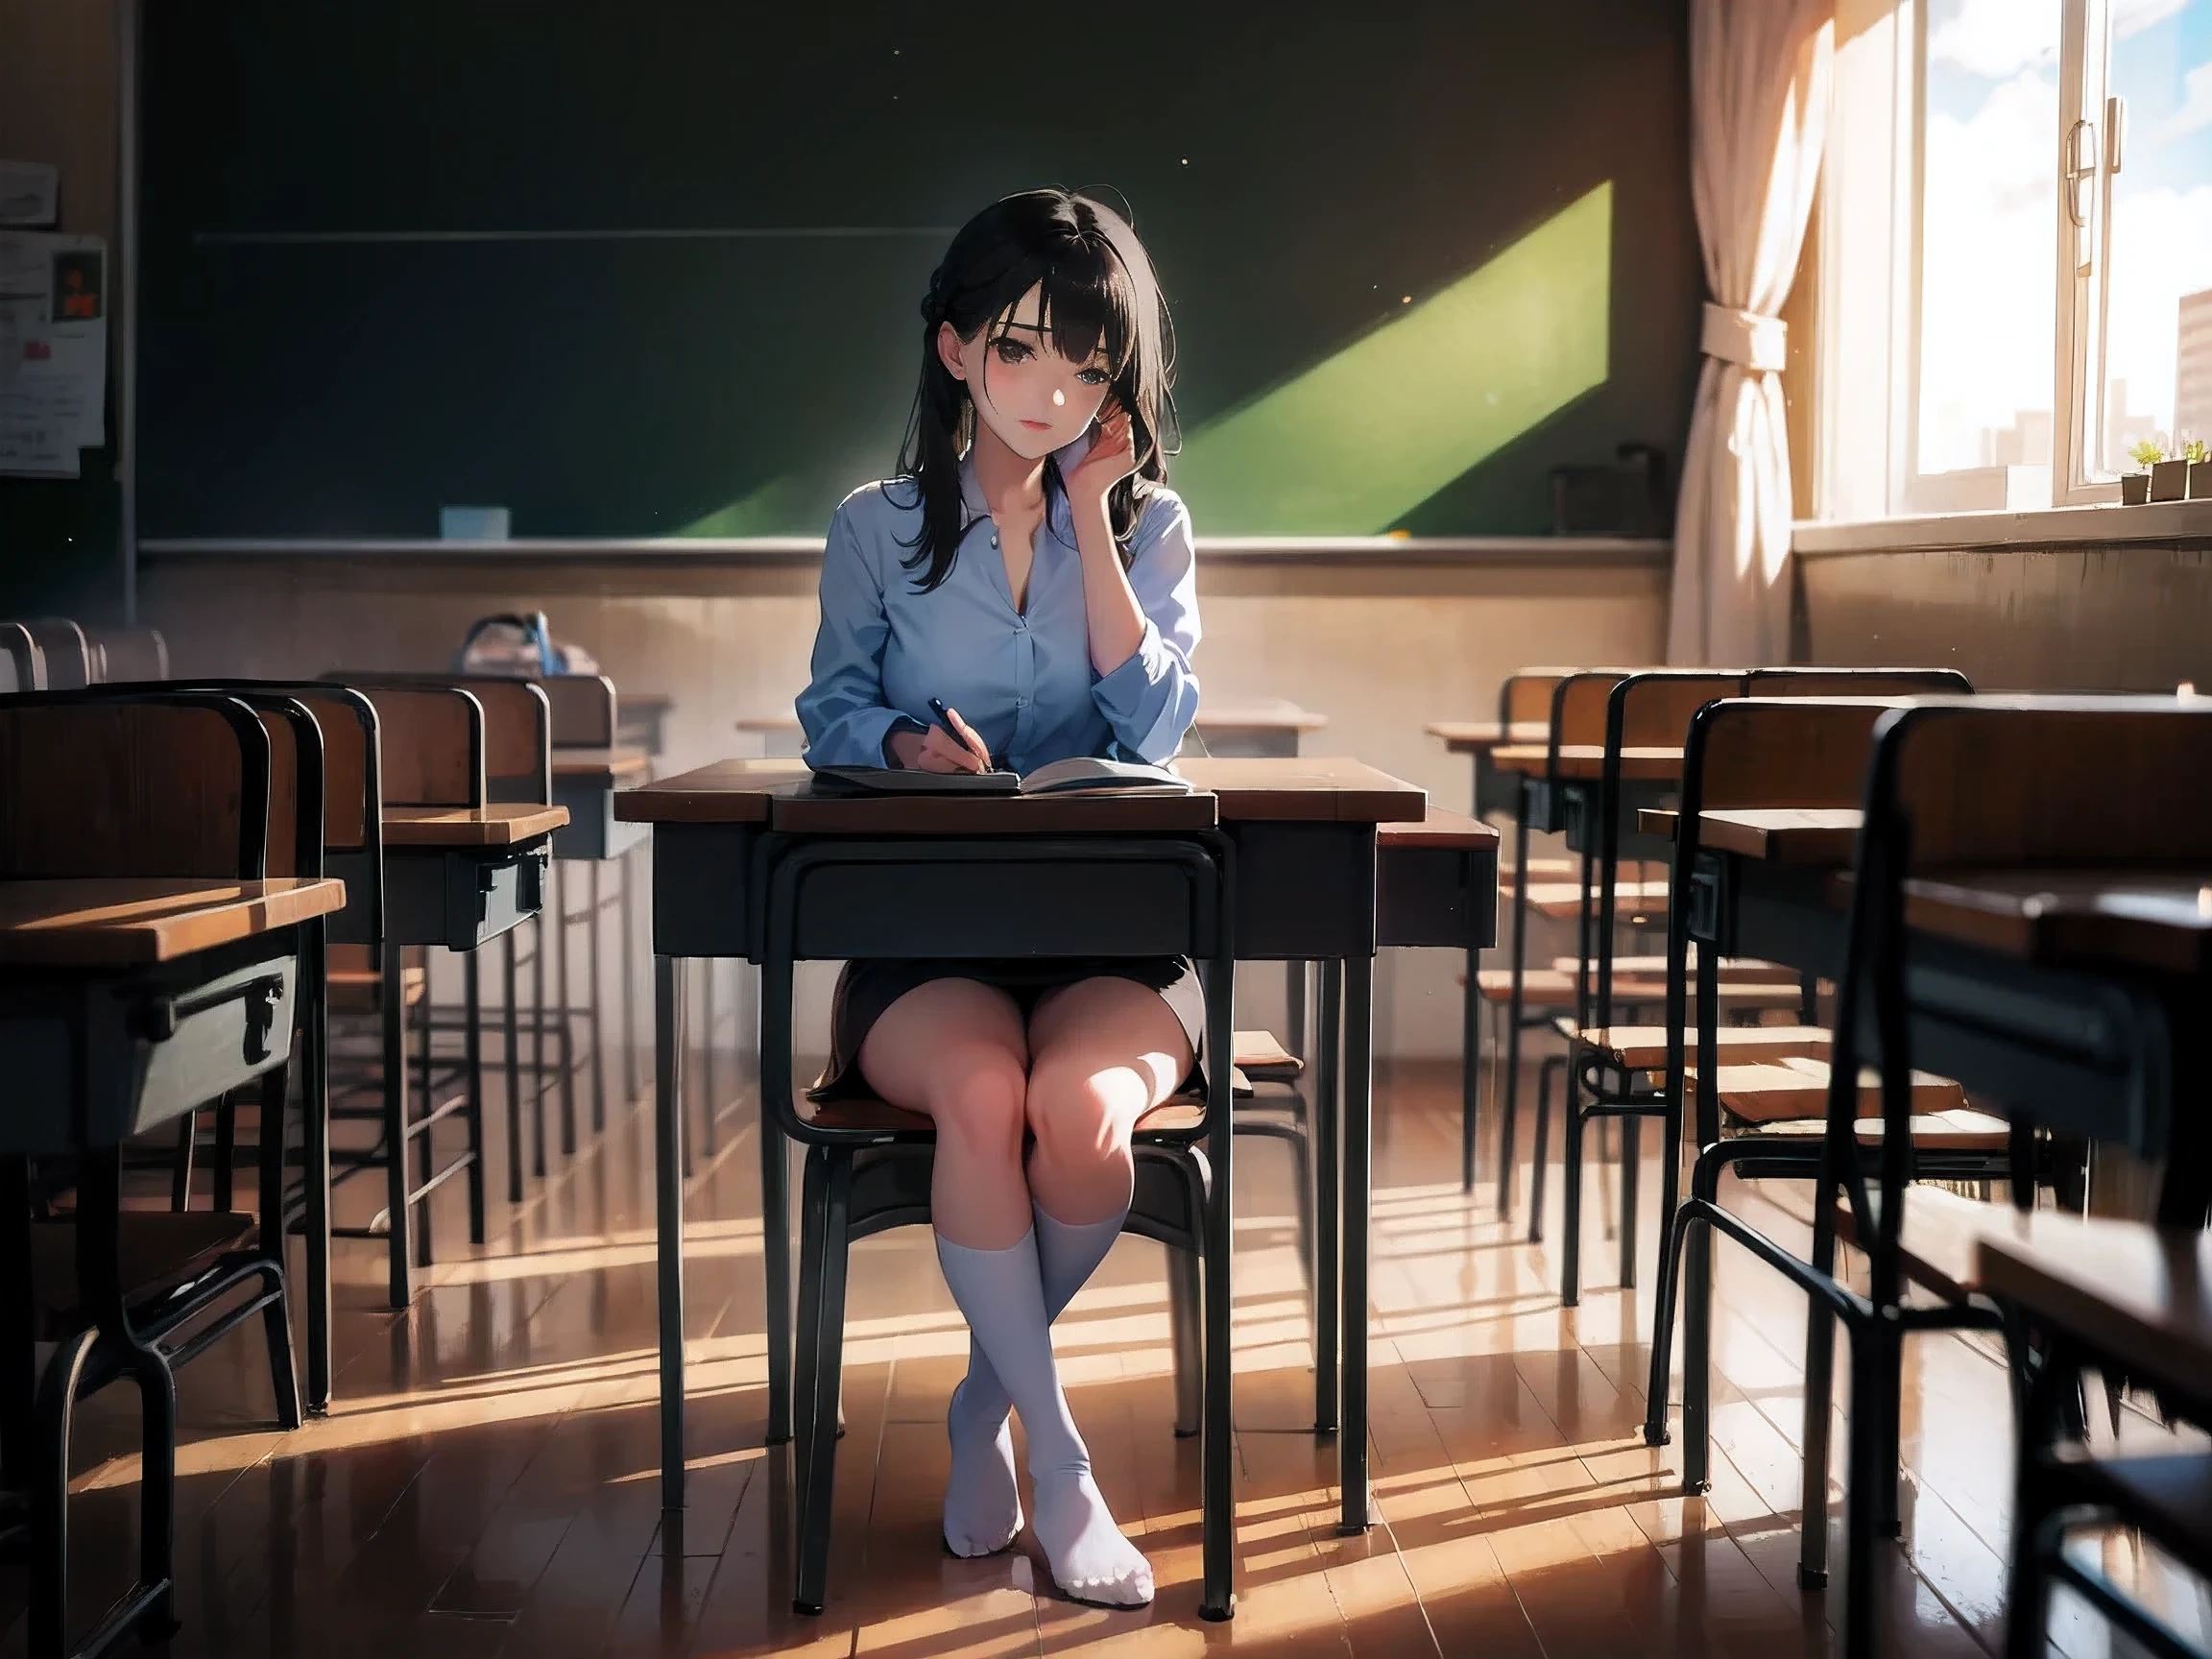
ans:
(1002, 1294)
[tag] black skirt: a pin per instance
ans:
(867, 987)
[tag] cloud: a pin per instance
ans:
(2134, 17)
(1994, 38)
(2196, 108)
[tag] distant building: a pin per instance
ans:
(2193, 371)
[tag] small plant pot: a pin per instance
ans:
(2170, 481)
(2200, 480)
(2134, 489)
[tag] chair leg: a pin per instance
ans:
(709, 1143)
(225, 1172)
(813, 1178)
(57, 1404)
(397, 1141)
(819, 1473)
(1861, 1502)
(472, 1080)
(1572, 1126)
(1298, 1145)
(565, 1038)
(512, 1034)
(420, 1152)
(181, 1172)
(1537, 1179)
(1631, 1136)
(315, 1163)
(592, 1007)
(1186, 1341)
(276, 1318)
(1820, 1417)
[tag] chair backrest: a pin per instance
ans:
(126, 655)
(1858, 682)
(1579, 703)
(23, 664)
(1525, 697)
(1781, 752)
(69, 658)
(2049, 781)
(430, 744)
(583, 707)
(102, 783)
(1652, 710)
(517, 729)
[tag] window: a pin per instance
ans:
(2016, 266)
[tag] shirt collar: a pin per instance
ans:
(1057, 516)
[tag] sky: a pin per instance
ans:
(1990, 209)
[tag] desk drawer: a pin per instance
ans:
(462, 899)
(1064, 907)
(1432, 896)
(154, 1047)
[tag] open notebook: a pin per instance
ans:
(1082, 773)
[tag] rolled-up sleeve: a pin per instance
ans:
(1151, 700)
(842, 711)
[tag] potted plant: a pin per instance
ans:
(2135, 487)
(2169, 479)
(2199, 470)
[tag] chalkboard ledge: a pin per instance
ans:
(696, 552)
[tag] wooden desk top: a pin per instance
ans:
(1479, 736)
(1586, 762)
(2141, 1295)
(1224, 715)
(2133, 918)
(1291, 790)
(135, 922)
(501, 824)
(606, 768)
(1441, 830)
(1772, 835)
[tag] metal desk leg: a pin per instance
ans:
(1297, 992)
(1511, 1096)
(1218, 1499)
(598, 1039)
(472, 1063)
(1328, 1196)
(668, 1205)
(538, 944)
(397, 1140)
(775, 1265)
(513, 1033)
(1357, 1129)
(709, 1141)
(629, 976)
(566, 1041)
(315, 1174)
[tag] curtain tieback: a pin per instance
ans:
(1757, 342)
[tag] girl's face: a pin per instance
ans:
(1034, 399)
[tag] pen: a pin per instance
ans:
(945, 719)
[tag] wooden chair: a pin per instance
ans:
(430, 751)
(110, 786)
(23, 664)
(2129, 1300)
(126, 655)
(1765, 1115)
(68, 657)
(1956, 785)
(1812, 682)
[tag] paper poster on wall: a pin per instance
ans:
(53, 351)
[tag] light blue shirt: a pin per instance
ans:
(1022, 679)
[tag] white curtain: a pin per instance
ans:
(1759, 81)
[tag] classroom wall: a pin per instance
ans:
(1378, 647)
(2126, 618)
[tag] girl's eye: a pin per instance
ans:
(1093, 377)
(1012, 350)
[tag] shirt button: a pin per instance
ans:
(994, 541)
(1021, 702)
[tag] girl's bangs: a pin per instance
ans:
(1088, 306)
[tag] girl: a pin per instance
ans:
(1028, 566)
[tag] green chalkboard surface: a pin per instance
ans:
(651, 267)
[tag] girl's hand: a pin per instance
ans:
(937, 749)
(1110, 458)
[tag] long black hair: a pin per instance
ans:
(1098, 292)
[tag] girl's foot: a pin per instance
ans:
(1090, 1561)
(982, 1505)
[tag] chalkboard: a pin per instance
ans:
(651, 267)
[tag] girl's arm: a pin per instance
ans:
(1149, 614)
(842, 710)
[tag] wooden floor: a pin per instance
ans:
(488, 1482)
